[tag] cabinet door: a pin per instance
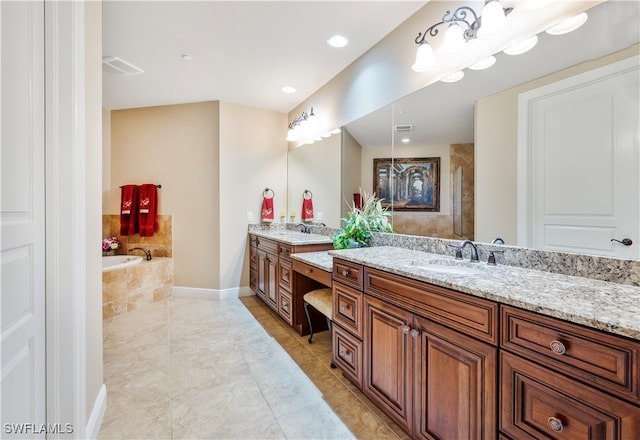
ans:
(262, 274)
(253, 268)
(537, 403)
(388, 360)
(455, 384)
(271, 281)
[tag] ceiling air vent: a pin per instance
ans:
(119, 66)
(407, 127)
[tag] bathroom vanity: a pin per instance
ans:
(451, 349)
(271, 274)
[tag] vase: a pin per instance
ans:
(109, 253)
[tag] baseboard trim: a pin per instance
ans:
(97, 414)
(196, 292)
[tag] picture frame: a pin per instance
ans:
(408, 184)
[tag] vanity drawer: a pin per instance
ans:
(321, 276)
(537, 403)
(347, 308)
(347, 355)
(348, 273)
(468, 314)
(267, 245)
(284, 251)
(285, 306)
(606, 361)
(285, 274)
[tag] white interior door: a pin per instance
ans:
(22, 306)
(583, 162)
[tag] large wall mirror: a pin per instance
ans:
(478, 181)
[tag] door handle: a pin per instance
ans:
(625, 241)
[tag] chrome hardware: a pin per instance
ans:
(625, 241)
(497, 240)
(345, 272)
(557, 347)
(555, 424)
(458, 251)
(405, 329)
(492, 258)
(414, 333)
(344, 308)
(147, 252)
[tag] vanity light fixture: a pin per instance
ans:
(304, 128)
(484, 63)
(453, 77)
(463, 25)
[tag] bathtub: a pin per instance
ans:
(119, 262)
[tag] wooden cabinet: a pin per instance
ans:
(274, 281)
(561, 380)
(538, 403)
(433, 381)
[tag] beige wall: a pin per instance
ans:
(496, 159)
(213, 160)
(176, 146)
(315, 168)
(253, 156)
(93, 182)
(352, 175)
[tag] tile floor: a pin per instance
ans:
(186, 368)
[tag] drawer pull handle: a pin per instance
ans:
(555, 424)
(405, 329)
(557, 347)
(345, 272)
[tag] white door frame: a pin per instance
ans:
(65, 211)
(525, 102)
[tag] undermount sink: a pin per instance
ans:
(454, 267)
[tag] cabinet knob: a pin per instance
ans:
(345, 272)
(557, 347)
(405, 329)
(555, 424)
(344, 308)
(308, 271)
(414, 333)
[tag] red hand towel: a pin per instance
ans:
(307, 210)
(128, 210)
(148, 212)
(267, 209)
(357, 200)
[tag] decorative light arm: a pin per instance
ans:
(458, 16)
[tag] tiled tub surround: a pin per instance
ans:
(607, 306)
(126, 289)
(161, 244)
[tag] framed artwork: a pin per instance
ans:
(408, 184)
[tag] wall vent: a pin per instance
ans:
(407, 127)
(119, 66)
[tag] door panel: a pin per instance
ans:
(22, 215)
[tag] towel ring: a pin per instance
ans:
(266, 191)
(304, 194)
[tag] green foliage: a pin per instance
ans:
(362, 222)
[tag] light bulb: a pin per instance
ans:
(424, 58)
(291, 135)
(493, 19)
(484, 63)
(453, 77)
(453, 39)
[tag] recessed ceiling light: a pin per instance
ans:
(338, 41)
(289, 89)
(187, 57)
(406, 140)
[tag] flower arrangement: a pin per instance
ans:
(110, 246)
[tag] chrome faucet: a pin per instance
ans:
(304, 229)
(474, 250)
(147, 252)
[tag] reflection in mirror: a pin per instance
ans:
(316, 168)
(457, 202)
(473, 124)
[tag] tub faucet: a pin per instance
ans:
(147, 252)
(474, 250)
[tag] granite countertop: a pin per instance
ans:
(321, 259)
(292, 237)
(607, 306)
